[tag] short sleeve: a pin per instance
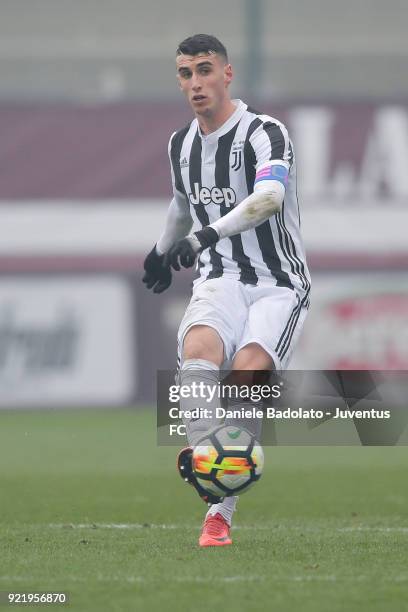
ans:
(273, 153)
(178, 192)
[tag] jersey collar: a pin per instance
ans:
(228, 125)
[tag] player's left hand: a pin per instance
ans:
(185, 251)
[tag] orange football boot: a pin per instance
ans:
(215, 532)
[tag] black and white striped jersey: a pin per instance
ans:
(217, 171)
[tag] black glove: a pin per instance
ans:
(185, 251)
(157, 273)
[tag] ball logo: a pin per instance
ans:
(216, 195)
(234, 434)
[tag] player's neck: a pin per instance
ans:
(212, 123)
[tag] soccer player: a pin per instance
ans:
(234, 177)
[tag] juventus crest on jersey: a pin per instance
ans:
(215, 172)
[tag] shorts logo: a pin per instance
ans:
(216, 195)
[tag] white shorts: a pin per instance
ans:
(271, 316)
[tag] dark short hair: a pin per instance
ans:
(202, 43)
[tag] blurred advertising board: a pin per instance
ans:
(357, 321)
(350, 154)
(66, 341)
(99, 338)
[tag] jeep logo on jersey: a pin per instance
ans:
(216, 195)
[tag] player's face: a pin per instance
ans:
(204, 79)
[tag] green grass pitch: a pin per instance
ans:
(90, 505)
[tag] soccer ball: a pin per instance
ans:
(227, 461)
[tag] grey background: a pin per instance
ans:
(124, 49)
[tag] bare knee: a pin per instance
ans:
(253, 357)
(203, 342)
(251, 366)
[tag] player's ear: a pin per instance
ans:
(228, 74)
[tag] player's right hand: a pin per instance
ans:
(157, 274)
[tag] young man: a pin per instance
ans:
(234, 176)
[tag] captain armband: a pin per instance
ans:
(275, 172)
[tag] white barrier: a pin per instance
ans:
(66, 341)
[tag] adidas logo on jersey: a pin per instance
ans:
(216, 195)
(184, 162)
